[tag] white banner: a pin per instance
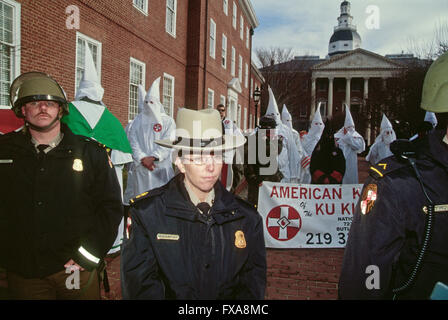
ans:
(307, 215)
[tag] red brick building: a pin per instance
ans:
(200, 48)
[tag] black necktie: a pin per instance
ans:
(204, 207)
(42, 147)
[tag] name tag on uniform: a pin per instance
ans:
(438, 208)
(5, 161)
(165, 236)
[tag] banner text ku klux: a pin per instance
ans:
(307, 215)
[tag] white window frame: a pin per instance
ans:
(143, 65)
(14, 61)
(251, 87)
(245, 119)
(246, 76)
(211, 102)
(172, 11)
(241, 27)
(240, 69)
(224, 51)
(144, 9)
(212, 50)
(234, 15)
(88, 40)
(225, 7)
(171, 105)
(233, 62)
(222, 100)
(247, 37)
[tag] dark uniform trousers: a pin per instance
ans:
(59, 285)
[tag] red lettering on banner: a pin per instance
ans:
(356, 193)
(274, 191)
(345, 208)
(284, 192)
(314, 193)
(320, 209)
(326, 194)
(294, 193)
(337, 193)
(303, 193)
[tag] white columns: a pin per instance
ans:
(366, 88)
(347, 91)
(330, 97)
(313, 98)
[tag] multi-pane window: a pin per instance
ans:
(212, 38)
(141, 5)
(95, 48)
(247, 37)
(232, 63)
(225, 6)
(210, 99)
(9, 47)
(222, 100)
(234, 14)
(240, 69)
(168, 94)
(136, 77)
(171, 9)
(241, 27)
(224, 52)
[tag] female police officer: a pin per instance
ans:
(192, 239)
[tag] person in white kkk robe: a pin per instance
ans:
(304, 175)
(309, 142)
(351, 143)
(88, 116)
(381, 148)
(152, 166)
(289, 158)
(129, 192)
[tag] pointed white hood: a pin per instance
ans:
(90, 85)
(387, 134)
(152, 106)
(317, 125)
(272, 109)
(349, 123)
(286, 117)
(431, 117)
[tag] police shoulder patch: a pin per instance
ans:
(368, 198)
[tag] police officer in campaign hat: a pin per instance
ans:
(60, 202)
(192, 239)
(397, 246)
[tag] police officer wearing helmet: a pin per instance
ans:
(60, 202)
(397, 246)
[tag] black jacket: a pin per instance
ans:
(175, 253)
(51, 205)
(327, 163)
(388, 228)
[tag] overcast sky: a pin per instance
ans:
(385, 26)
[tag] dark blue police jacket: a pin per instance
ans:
(389, 225)
(174, 252)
